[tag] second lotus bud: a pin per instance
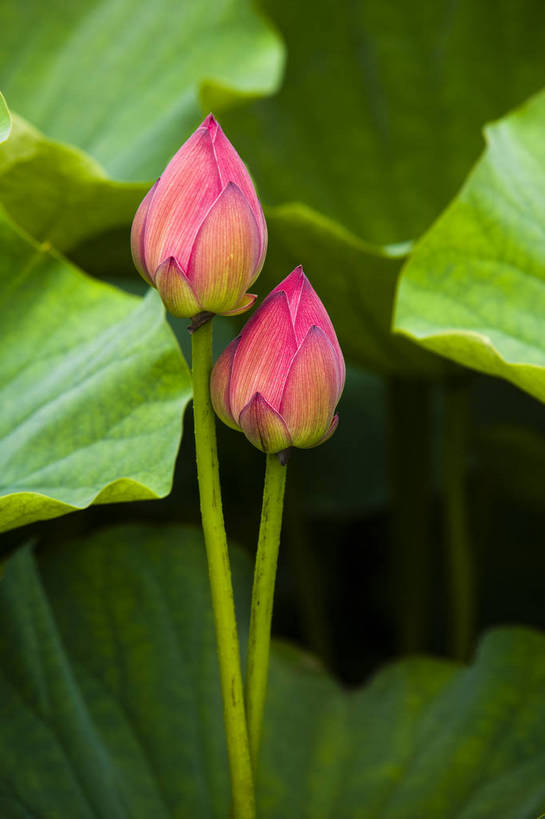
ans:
(199, 235)
(281, 379)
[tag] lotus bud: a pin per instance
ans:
(280, 380)
(199, 235)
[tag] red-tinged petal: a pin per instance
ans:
(292, 286)
(310, 312)
(219, 385)
(187, 189)
(311, 392)
(263, 426)
(175, 290)
(248, 300)
(307, 310)
(138, 233)
(225, 252)
(262, 360)
(232, 169)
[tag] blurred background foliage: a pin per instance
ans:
(421, 523)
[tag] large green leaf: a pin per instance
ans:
(60, 194)
(356, 281)
(378, 119)
(121, 78)
(92, 388)
(110, 707)
(474, 289)
(374, 129)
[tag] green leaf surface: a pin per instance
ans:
(356, 282)
(92, 388)
(121, 79)
(61, 195)
(375, 127)
(110, 705)
(474, 289)
(379, 116)
(5, 120)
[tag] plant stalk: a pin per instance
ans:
(242, 786)
(459, 557)
(262, 600)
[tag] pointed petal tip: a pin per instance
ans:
(211, 124)
(247, 302)
(175, 289)
(293, 281)
(332, 427)
(264, 426)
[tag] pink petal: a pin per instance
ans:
(187, 189)
(225, 252)
(219, 385)
(312, 389)
(292, 286)
(267, 346)
(232, 169)
(248, 300)
(138, 233)
(175, 290)
(307, 310)
(264, 426)
(312, 312)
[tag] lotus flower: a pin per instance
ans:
(199, 235)
(280, 380)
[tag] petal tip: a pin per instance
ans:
(248, 302)
(175, 289)
(264, 426)
(211, 124)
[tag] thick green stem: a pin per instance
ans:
(262, 600)
(410, 461)
(243, 797)
(459, 556)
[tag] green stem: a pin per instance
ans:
(243, 797)
(262, 600)
(459, 556)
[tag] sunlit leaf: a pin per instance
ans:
(61, 195)
(122, 81)
(92, 388)
(110, 705)
(474, 290)
(121, 78)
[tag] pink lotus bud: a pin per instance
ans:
(199, 235)
(281, 379)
